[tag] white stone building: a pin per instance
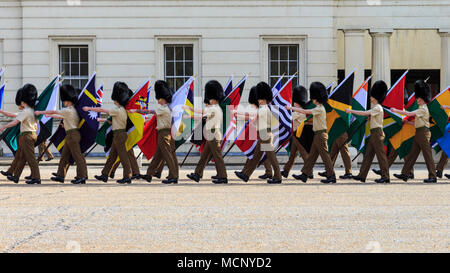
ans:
(133, 40)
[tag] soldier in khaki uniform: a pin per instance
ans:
(120, 96)
(213, 133)
(27, 139)
(422, 136)
(163, 152)
(319, 96)
(441, 165)
(135, 172)
(299, 99)
(71, 148)
(376, 140)
(265, 137)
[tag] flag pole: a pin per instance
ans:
(42, 154)
(93, 147)
(184, 160)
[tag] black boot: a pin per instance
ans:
(447, 175)
(12, 178)
(125, 180)
(323, 174)
(242, 176)
(376, 171)
(330, 179)
(5, 173)
(411, 176)
(102, 177)
(194, 176)
(28, 177)
(147, 178)
(358, 178)
(438, 174)
(285, 174)
(303, 177)
(170, 181)
(430, 180)
(33, 181)
(265, 176)
(346, 176)
(274, 181)
(135, 176)
(79, 181)
(111, 175)
(57, 178)
(382, 180)
(401, 176)
(220, 181)
(157, 175)
(215, 177)
(311, 176)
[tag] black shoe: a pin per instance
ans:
(330, 179)
(14, 179)
(242, 176)
(102, 177)
(382, 180)
(194, 176)
(430, 180)
(55, 174)
(220, 181)
(28, 177)
(5, 173)
(411, 176)
(57, 178)
(447, 175)
(438, 174)
(170, 181)
(376, 171)
(111, 175)
(79, 181)
(346, 176)
(274, 181)
(401, 176)
(215, 177)
(311, 176)
(147, 178)
(285, 174)
(49, 159)
(157, 175)
(125, 180)
(136, 176)
(303, 177)
(323, 174)
(265, 176)
(358, 178)
(33, 181)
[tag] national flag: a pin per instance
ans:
(47, 101)
(232, 101)
(104, 135)
(282, 131)
(439, 115)
(395, 99)
(148, 143)
(444, 141)
(100, 95)
(359, 103)
(182, 127)
(2, 92)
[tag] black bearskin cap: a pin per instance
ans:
(300, 95)
(163, 91)
(422, 90)
(29, 94)
(121, 93)
(213, 90)
(264, 92)
(68, 93)
(379, 90)
(252, 96)
(318, 91)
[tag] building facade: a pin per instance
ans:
(134, 40)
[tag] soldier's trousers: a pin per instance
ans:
(27, 155)
(421, 143)
(319, 147)
(375, 147)
(118, 149)
(72, 149)
(165, 152)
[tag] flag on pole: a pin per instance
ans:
(444, 141)
(359, 103)
(2, 92)
(282, 131)
(100, 95)
(47, 101)
(440, 115)
(2, 70)
(395, 99)
(182, 127)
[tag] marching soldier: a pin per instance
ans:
(120, 96)
(163, 152)
(319, 96)
(299, 99)
(135, 172)
(212, 130)
(422, 136)
(265, 137)
(71, 148)
(27, 139)
(376, 140)
(42, 148)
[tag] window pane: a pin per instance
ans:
(83, 83)
(188, 53)
(65, 67)
(293, 50)
(273, 53)
(84, 70)
(170, 68)
(284, 68)
(189, 69)
(169, 53)
(64, 54)
(283, 53)
(74, 69)
(180, 82)
(179, 53)
(273, 81)
(274, 68)
(292, 68)
(179, 69)
(84, 54)
(76, 83)
(74, 55)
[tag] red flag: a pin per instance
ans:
(396, 95)
(149, 140)
(139, 99)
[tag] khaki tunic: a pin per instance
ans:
(71, 119)
(119, 118)
(27, 120)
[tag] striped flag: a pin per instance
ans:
(181, 127)
(100, 95)
(283, 130)
(359, 103)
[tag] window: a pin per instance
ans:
(74, 62)
(178, 64)
(283, 60)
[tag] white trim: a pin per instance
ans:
(300, 40)
(161, 41)
(56, 41)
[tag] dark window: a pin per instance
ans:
(178, 64)
(74, 62)
(283, 59)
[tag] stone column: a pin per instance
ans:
(381, 65)
(354, 54)
(445, 59)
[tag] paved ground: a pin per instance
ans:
(238, 217)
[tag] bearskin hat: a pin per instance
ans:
(213, 90)
(422, 90)
(29, 94)
(379, 90)
(300, 95)
(252, 96)
(121, 93)
(264, 92)
(19, 97)
(163, 91)
(318, 92)
(68, 93)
